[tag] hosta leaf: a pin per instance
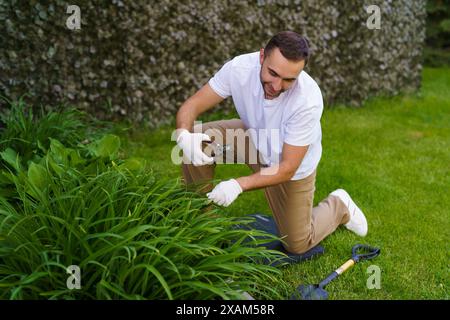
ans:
(58, 151)
(133, 164)
(11, 157)
(108, 146)
(37, 175)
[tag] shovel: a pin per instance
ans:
(360, 252)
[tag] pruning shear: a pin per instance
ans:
(218, 149)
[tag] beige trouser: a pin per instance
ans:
(301, 226)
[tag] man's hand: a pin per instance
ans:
(225, 192)
(191, 144)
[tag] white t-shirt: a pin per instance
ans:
(293, 117)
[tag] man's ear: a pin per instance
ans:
(261, 56)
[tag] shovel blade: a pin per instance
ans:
(309, 292)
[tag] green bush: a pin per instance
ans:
(26, 135)
(132, 234)
(133, 237)
(28, 131)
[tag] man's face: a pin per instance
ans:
(277, 73)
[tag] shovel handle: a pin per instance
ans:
(336, 273)
(359, 252)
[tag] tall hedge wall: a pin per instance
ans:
(437, 45)
(142, 59)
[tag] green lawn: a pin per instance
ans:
(393, 157)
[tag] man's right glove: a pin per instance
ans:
(191, 144)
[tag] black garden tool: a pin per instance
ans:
(317, 292)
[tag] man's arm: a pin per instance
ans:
(292, 157)
(203, 100)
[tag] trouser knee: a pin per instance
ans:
(297, 247)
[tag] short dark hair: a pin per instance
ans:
(292, 46)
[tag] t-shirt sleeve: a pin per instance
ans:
(301, 129)
(221, 81)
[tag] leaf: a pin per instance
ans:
(11, 157)
(59, 170)
(58, 151)
(74, 158)
(133, 164)
(6, 177)
(108, 146)
(37, 175)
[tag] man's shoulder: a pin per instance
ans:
(306, 95)
(308, 87)
(243, 68)
(246, 60)
(307, 82)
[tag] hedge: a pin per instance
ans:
(140, 60)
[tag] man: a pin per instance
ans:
(271, 92)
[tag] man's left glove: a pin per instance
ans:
(225, 192)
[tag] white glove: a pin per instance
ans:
(225, 192)
(191, 144)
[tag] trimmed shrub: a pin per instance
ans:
(139, 60)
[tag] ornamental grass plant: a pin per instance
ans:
(132, 233)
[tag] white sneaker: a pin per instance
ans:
(358, 222)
